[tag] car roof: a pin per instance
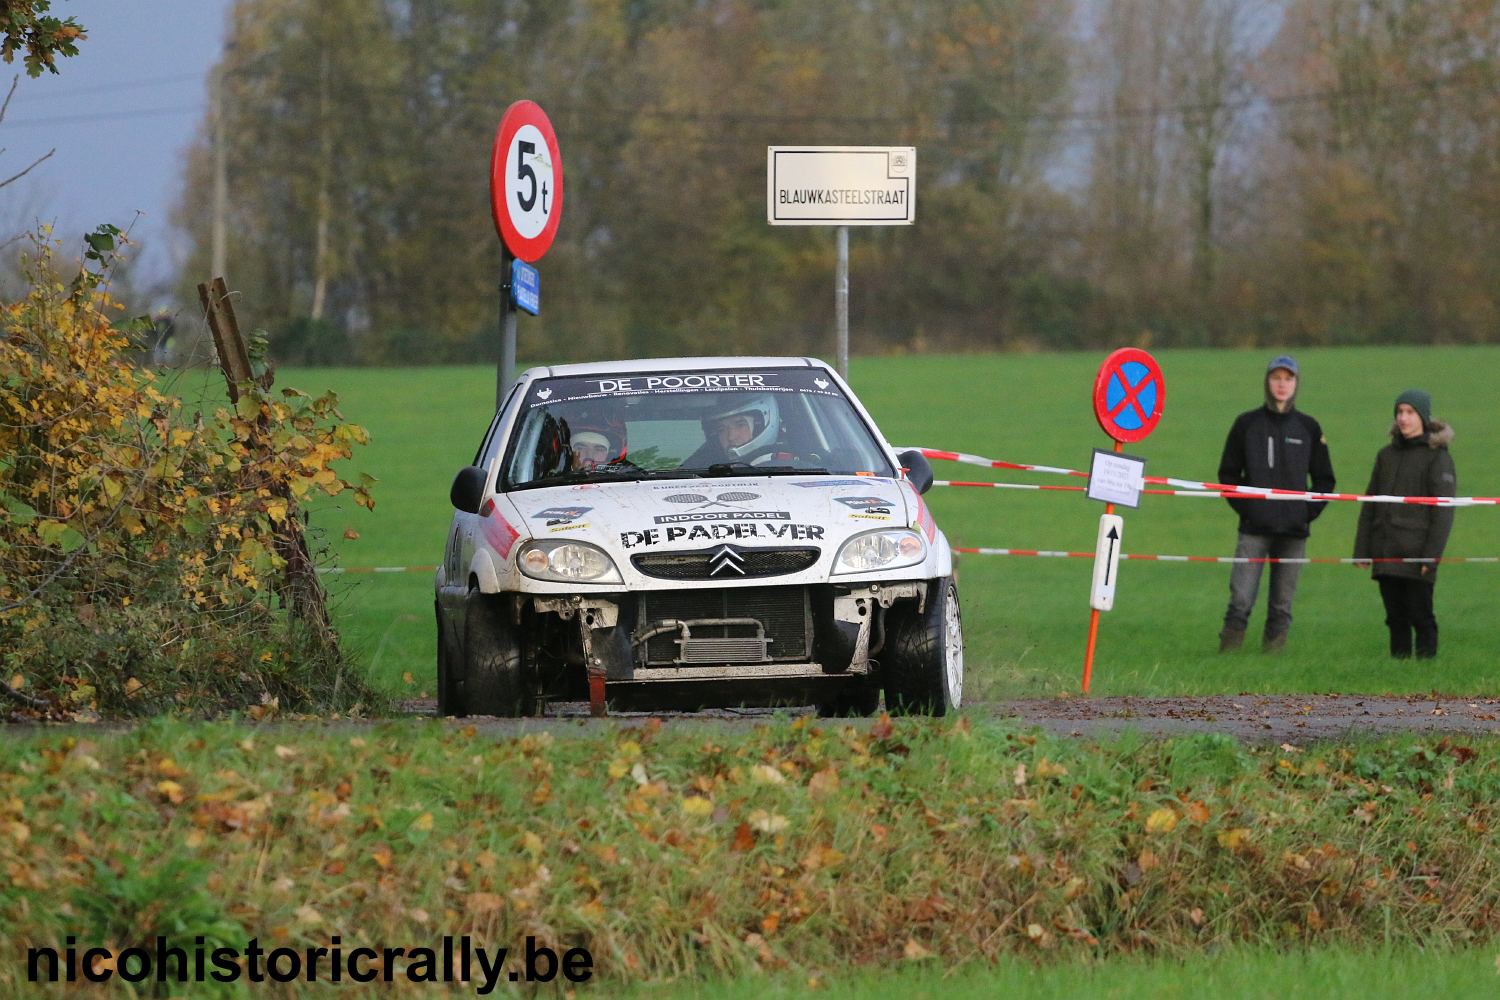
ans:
(670, 365)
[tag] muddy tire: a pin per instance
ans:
(448, 696)
(924, 660)
(490, 680)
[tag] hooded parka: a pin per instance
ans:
(1409, 467)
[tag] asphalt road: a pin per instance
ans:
(1254, 718)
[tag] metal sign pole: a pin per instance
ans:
(841, 302)
(1088, 653)
(505, 374)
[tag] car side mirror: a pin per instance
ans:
(467, 492)
(918, 471)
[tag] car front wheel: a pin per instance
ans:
(491, 680)
(924, 667)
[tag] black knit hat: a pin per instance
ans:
(1418, 400)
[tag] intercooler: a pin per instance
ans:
(723, 626)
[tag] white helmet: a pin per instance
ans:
(764, 420)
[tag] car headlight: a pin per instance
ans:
(567, 562)
(888, 548)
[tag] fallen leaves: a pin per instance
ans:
(1162, 820)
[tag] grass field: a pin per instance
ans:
(1026, 618)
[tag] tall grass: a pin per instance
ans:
(697, 851)
(1026, 618)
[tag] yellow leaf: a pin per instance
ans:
(422, 823)
(171, 791)
(17, 682)
(285, 753)
(913, 951)
(697, 805)
(1161, 821)
(531, 843)
(1233, 839)
(132, 685)
(1046, 769)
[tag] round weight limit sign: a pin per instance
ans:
(1129, 394)
(526, 181)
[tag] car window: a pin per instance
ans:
(658, 424)
(490, 446)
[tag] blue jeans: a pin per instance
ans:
(1244, 581)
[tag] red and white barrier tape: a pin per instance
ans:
(334, 570)
(1041, 553)
(1195, 488)
(1445, 560)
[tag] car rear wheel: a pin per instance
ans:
(491, 679)
(924, 668)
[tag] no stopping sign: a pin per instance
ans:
(1129, 394)
(526, 181)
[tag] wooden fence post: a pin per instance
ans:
(300, 590)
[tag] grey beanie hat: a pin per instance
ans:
(1418, 400)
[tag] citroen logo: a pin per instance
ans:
(726, 560)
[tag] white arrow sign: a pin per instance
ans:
(1107, 562)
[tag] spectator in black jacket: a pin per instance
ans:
(1278, 446)
(1415, 464)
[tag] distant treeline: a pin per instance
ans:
(1168, 172)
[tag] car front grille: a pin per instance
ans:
(712, 564)
(783, 613)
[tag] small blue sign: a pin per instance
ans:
(526, 287)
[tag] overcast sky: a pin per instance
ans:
(120, 116)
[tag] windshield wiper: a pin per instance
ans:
(745, 468)
(608, 473)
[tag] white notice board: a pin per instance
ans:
(841, 185)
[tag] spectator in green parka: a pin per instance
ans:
(1415, 463)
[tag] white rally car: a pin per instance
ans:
(694, 532)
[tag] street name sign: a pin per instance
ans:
(841, 185)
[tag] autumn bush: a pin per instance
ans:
(139, 563)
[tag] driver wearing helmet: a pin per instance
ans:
(742, 430)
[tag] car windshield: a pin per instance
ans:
(681, 424)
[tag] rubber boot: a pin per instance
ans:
(1231, 639)
(1401, 642)
(1427, 641)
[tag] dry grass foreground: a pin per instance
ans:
(798, 846)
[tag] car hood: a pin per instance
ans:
(686, 514)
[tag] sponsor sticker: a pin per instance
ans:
(863, 484)
(723, 515)
(561, 515)
(720, 532)
(870, 505)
